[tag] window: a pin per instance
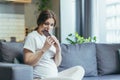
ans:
(106, 21)
(112, 22)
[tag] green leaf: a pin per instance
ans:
(71, 41)
(79, 39)
(94, 38)
(70, 34)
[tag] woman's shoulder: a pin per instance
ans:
(33, 34)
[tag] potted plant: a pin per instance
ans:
(77, 39)
(44, 4)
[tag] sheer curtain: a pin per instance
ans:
(112, 21)
(106, 20)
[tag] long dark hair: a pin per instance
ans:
(44, 15)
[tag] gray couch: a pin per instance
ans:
(12, 66)
(100, 61)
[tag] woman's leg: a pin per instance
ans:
(55, 78)
(36, 79)
(76, 73)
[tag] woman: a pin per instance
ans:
(44, 53)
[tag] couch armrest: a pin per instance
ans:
(10, 71)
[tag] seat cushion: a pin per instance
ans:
(10, 51)
(91, 78)
(105, 77)
(110, 77)
(79, 54)
(108, 58)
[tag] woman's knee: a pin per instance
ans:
(80, 69)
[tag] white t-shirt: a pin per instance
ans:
(46, 66)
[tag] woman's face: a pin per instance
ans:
(47, 25)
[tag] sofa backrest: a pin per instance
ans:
(79, 55)
(108, 58)
(96, 58)
(9, 51)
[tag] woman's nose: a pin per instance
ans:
(48, 27)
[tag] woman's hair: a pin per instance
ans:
(44, 15)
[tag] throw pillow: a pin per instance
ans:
(108, 60)
(0, 56)
(119, 54)
(79, 55)
(119, 51)
(10, 51)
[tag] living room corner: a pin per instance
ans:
(92, 25)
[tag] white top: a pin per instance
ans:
(46, 66)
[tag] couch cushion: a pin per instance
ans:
(0, 56)
(10, 51)
(79, 54)
(110, 77)
(105, 77)
(91, 78)
(108, 59)
(119, 53)
(10, 71)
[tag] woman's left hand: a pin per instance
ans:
(58, 57)
(56, 44)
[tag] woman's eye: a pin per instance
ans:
(49, 24)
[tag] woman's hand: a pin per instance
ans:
(49, 41)
(58, 57)
(56, 44)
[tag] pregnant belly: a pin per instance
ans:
(46, 70)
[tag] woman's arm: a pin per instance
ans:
(57, 57)
(31, 58)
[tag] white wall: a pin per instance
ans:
(12, 23)
(67, 18)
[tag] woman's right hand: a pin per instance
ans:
(49, 41)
